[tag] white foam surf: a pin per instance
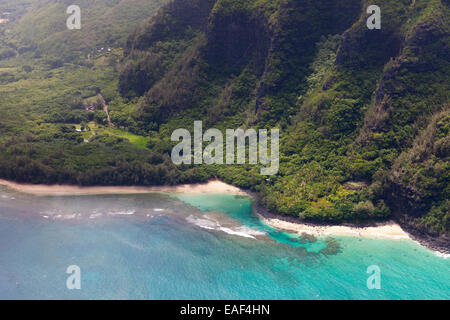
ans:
(95, 215)
(209, 224)
(442, 255)
(122, 213)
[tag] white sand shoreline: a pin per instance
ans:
(385, 230)
(214, 186)
(388, 230)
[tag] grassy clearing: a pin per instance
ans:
(138, 141)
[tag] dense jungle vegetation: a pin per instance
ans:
(364, 114)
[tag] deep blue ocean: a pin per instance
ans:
(209, 246)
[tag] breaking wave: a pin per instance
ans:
(209, 224)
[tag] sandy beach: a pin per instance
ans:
(214, 186)
(388, 230)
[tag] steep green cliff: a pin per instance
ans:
(354, 105)
(363, 114)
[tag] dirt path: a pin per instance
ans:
(105, 108)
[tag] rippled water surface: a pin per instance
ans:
(211, 246)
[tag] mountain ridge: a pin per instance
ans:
(369, 66)
(363, 114)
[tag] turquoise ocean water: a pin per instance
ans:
(163, 246)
